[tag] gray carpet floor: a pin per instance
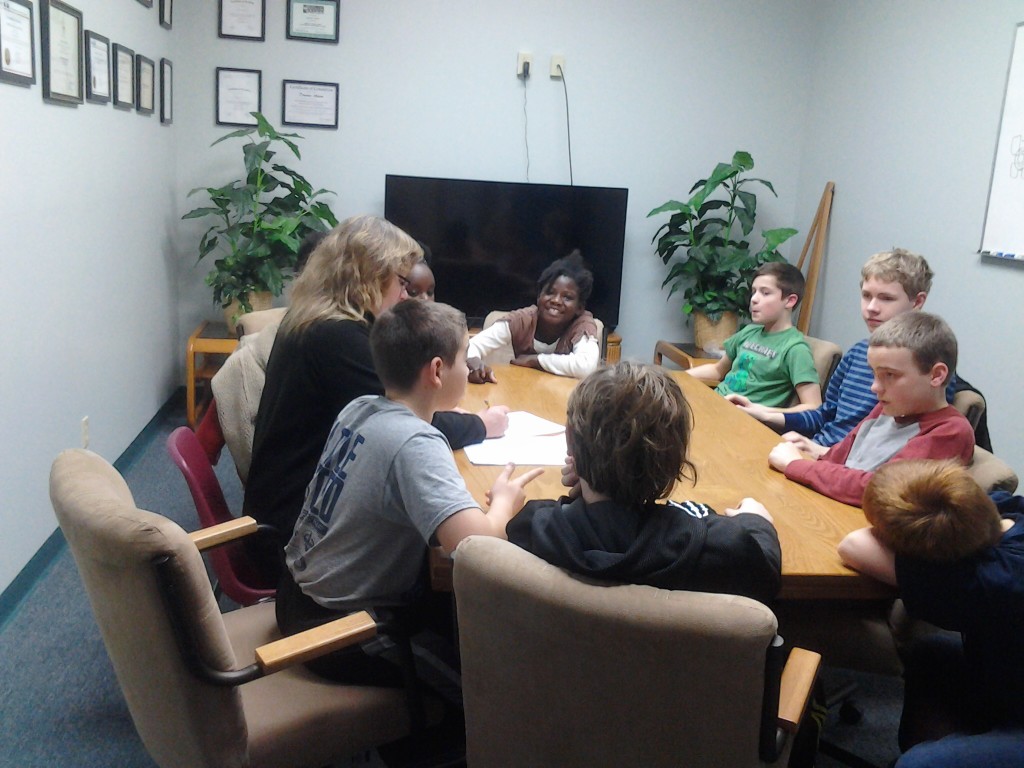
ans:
(60, 704)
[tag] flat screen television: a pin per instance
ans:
(490, 240)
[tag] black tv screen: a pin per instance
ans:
(490, 240)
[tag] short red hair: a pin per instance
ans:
(931, 510)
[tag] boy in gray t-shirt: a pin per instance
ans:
(385, 487)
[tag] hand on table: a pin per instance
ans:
(480, 373)
(749, 506)
(760, 412)
(782, 455)
(805, 444)
(527, 361)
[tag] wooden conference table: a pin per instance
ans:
(730, 450)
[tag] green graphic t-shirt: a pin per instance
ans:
(766, 367)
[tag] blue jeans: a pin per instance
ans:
(995, 749)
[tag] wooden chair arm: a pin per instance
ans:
(673, 353)
(798, 678)
(315, 642)
(222, 533)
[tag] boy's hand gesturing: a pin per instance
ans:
(509, 490)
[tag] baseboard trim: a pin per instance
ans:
(26, 580)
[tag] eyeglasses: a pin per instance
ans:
(403, 280)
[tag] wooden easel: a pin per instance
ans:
(817, 232)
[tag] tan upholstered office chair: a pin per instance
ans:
(826, 359)
(254, 322)
(557, 670)
(988, 470)
(496, 315)
(176, 657)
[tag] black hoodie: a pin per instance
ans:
(671, 546)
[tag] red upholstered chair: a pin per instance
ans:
(237, 577)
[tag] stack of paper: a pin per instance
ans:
(528, 440)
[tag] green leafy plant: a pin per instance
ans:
(716, 265)
(261, 219)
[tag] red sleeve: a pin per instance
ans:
(945, 434)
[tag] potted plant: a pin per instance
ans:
(261, 220)
(705, 242)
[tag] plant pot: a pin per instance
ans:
(259, 301)
(708, 335)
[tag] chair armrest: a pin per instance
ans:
(798, 678)
(315, 642)
(222, 533)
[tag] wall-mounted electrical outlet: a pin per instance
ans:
(85, 431)
(557, 66)
(524, 64)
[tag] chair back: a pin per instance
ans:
(239, 578)
(254, 322)
(826, 359)
(557, 670)
(971, 404)
(182, 721)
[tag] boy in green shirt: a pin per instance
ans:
(767, 360)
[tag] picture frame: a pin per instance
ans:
(122, 77)
(17, 42)
(166, 13)
(147, 3)
(309, 103)
(97, 67)
(239, 92)
(60, 38)
(166, 91)
(313, 20)
(145, 85)
(242, 19)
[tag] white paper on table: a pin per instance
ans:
(529, 439)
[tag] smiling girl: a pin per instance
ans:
(557, 334)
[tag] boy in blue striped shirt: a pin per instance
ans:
(892, 282)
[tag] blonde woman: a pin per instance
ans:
(321, 361)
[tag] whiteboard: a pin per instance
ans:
(1004, 217)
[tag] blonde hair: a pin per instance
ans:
(928, 337)
(900, 266)
(630, 426)
(931, 510)
(348, 271)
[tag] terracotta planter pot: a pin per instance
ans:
(259, 301)
(709, 336)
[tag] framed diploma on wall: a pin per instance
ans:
(239, 93)
(60, 32)
(145, 85)
(166, 13)
(242, 19)
(166, 92)
(310, 104)
(147, 3)
(97, 67)
(123, 76)
(17, 42)
(315, 20)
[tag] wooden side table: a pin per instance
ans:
(685, 355)
(613, 348)
(213, 341)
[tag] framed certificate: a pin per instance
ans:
(123, 76)
(97, 67)
(17, 42)
(145, 85)
(60, 28)
(239, 94)
(166, 13)
(242, 19)
(166, 91)
(315, 20)
(311, 104)
(147, 3)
